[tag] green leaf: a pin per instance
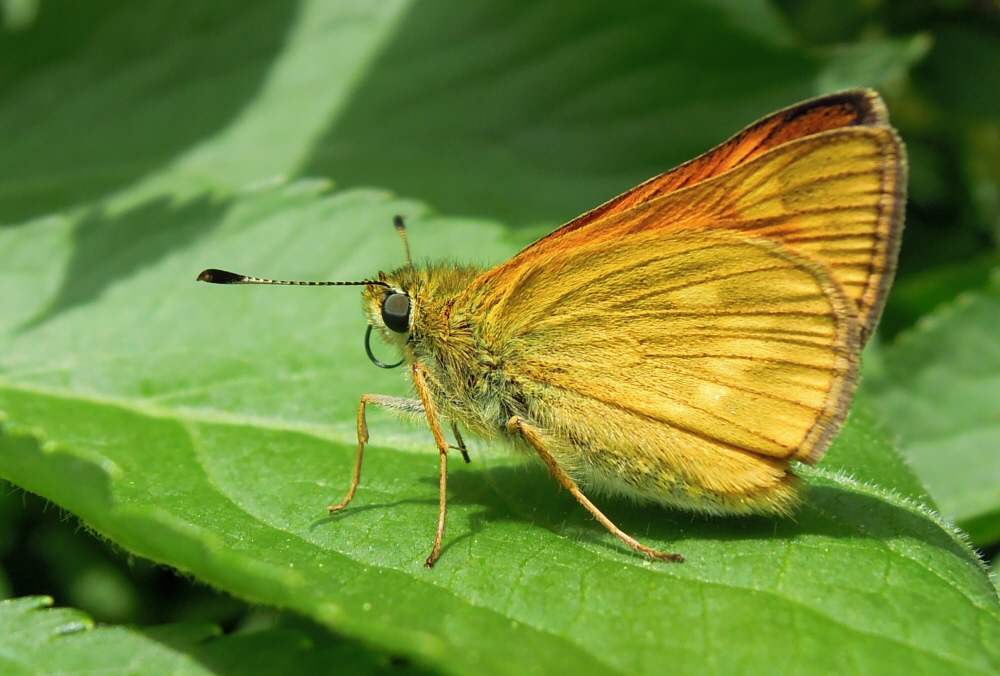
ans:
(164, 98)
(939, 386)
(527, 113)
(208, 427)
(919, 294)
(38, 640)
(531, 112)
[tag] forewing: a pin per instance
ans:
(854, 108)
(835, 197)
(723, 337)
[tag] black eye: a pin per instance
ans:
(396, 312)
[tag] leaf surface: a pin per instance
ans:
(208, 427)
(36, 639)
(939, 388)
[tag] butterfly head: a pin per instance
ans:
(391, 307)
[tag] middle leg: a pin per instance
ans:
(426, 397)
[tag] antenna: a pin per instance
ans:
(401, 229)
(213, 276)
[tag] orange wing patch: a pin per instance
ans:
(859, 107)
(835, 197)
(826, 178)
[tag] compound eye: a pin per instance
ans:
(396, 312)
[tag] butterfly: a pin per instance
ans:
(681, 344)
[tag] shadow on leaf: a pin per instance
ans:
(109, 249)
(97, 95)
(528, 494)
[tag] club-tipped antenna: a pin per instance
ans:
(401, 229)
(213, 276)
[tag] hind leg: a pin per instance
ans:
(532, 436)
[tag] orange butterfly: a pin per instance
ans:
(680, 344)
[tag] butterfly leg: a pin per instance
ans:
(395, 403)
(420, 380)
(461, 444)
(531, 435)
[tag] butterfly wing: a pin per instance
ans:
(857, 107)
(717, 325)
(716, 334)
(832, 189)
(685, 369)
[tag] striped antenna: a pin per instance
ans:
(213, 276)
(401, 229)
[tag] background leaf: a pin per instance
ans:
(940, 387)
(211, 435)
(36, 640)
